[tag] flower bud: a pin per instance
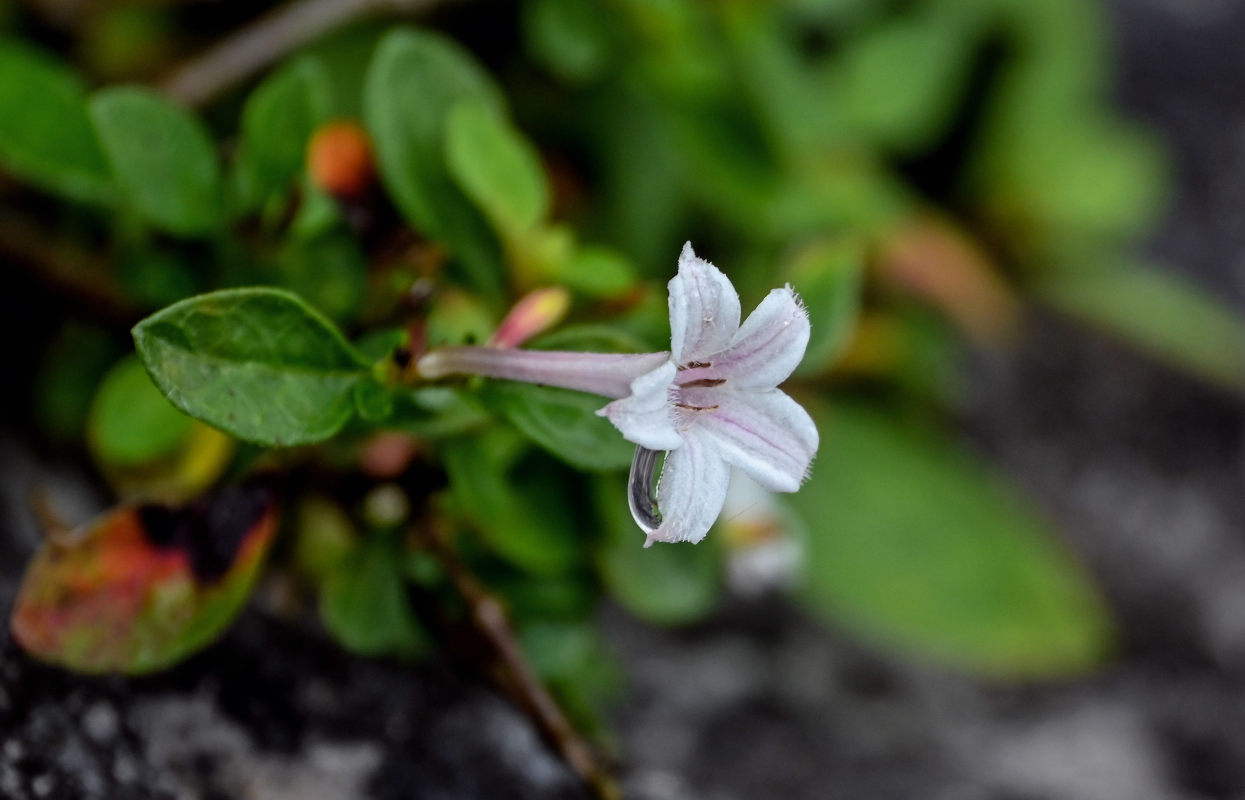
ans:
(534, 314)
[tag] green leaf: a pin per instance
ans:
(45, 134)
(278, 120)
(589, 338)
(828, 277)
(459, 318)
(596, 272)
(666, 584)
(142, 587)
(330, 272)
(519, 506)
(1106, 177)
(257, 363)
(372, 401)
(1158, 313)
(162, 159)
(363, 604)
(131, 422)
(793, 109)
(154, 278)
(570, 657)
(413, 82)
(570, 38)
(69, 372)
(497, 167)
(380, 343)
(323, 537)
(900, 83)
(564, 422)
(436, 412)
(915, 546)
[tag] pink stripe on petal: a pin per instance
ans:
(769, 345)
(766, 434)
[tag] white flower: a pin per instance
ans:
(712, 402)
(715, 404)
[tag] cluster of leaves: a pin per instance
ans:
(913, 169)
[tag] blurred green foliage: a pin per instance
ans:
(920, 171)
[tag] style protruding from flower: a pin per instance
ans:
(711, 402)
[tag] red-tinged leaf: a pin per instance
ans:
(144, 586)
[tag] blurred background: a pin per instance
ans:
(1017, 572)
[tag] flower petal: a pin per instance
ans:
(644, 416)
(766, 434)
(704, 309)
(691, 491)
(769, 346)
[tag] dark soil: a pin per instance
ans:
(1143, 470)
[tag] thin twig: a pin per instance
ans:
(263, 42)
(488, 617)
(72, 273)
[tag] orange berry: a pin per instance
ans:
(339, 158)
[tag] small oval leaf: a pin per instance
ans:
(257, 363)
(45, 134)
(414, 80)
(913, 545)
(162, 158)
(142, 587)
(497, 167)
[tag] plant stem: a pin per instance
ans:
(237, 57)
(517, 677)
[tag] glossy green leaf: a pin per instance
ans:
(142, 587)
(519, 506)
(162, 158)
(828, 277)
(496, 166)
(564, 422)
(131, 422)
(363, 603)
(257, 363)
(1158, 313)
(278, 120)
(665, 584)
(915, 546)
(45, 134)
(414, 80)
